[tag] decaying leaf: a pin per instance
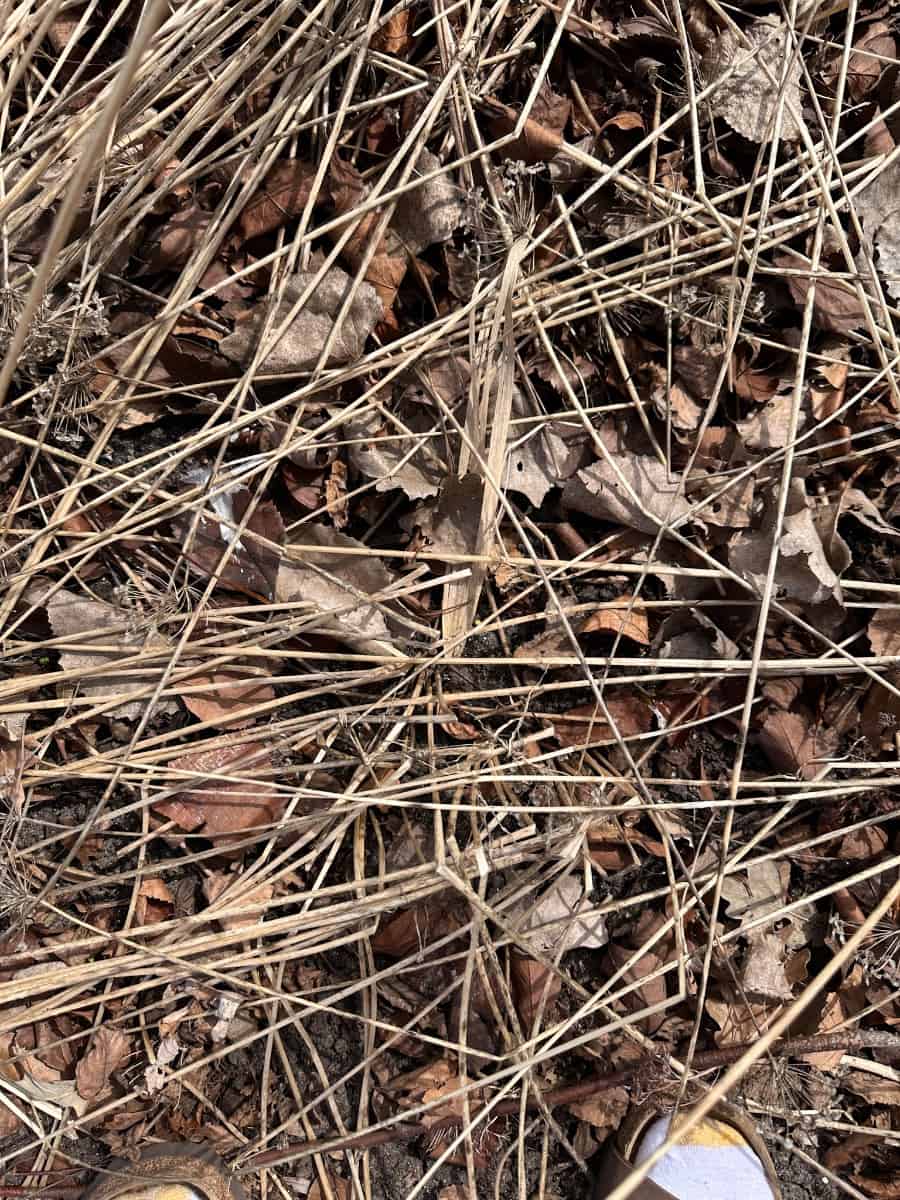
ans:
(740, 1021)
(758, 892)
(879, 212)
(231, 693)
(544, 458)
(334, 589)
(301, 344)
(282, 195)
(562, 919)
(225, 792)
(585, 725)
(381, 451)
(599, 492)
(836, 304)
(884, 631)
(252, 564)
(748, 98)
(431, 212)
(535, 987)
(793, 742)
(803, 572)
(107, 629)
(107, 1054)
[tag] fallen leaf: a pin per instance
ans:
(768, 428)
(872, 1088)
(884, 631)
(803, 572)
(535, 987)
(335, 588)
(380, 451)
(756, 892)
(155, 902)
(599, 492)
(252, 903)
(585, 726)
(76, 617)
(862, 845)
(393, 36)
(282, 195)
(252, 565)
(764, 968)
(231, 694)
(386, 267)
(794, 743)
(172, 245)
(301, 344)
(629, 620)
(223, 808)
(561, 919)
(536, 142)
(430, 213)
(108, 1052)
(738, 1021)
(836, 305)
(606, 1110)
(748, 98)
(645, 992)
(864, 68)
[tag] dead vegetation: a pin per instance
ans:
(450, 594)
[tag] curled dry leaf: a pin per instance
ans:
(803, 571)
(334, 589)
(627, 619)
(108, 1053)
(748, 98)
(764, 968)
(645, 991)
(221, 808)
(599, 492)
(534, 987)
(107, 629)
(304, 339)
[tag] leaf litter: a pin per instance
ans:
(451, 539)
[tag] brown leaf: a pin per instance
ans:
(632, 623)
(252, 566)
(108, 1052)
(884, 631)
(836, 306)
(863, 844)
(252, 904)
(387, 266)
(599, 492)
(301, 344)
(536, 143)
(739, 1022)
(155, 902)
(647, 992)
(282, 195)
(224, 808)
(864, 70)
(793, 743)
(174, 242)
(532, 983)
(227, 699)
(415, 927)
(393, 36)
(585, 725)
(606, 1110)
